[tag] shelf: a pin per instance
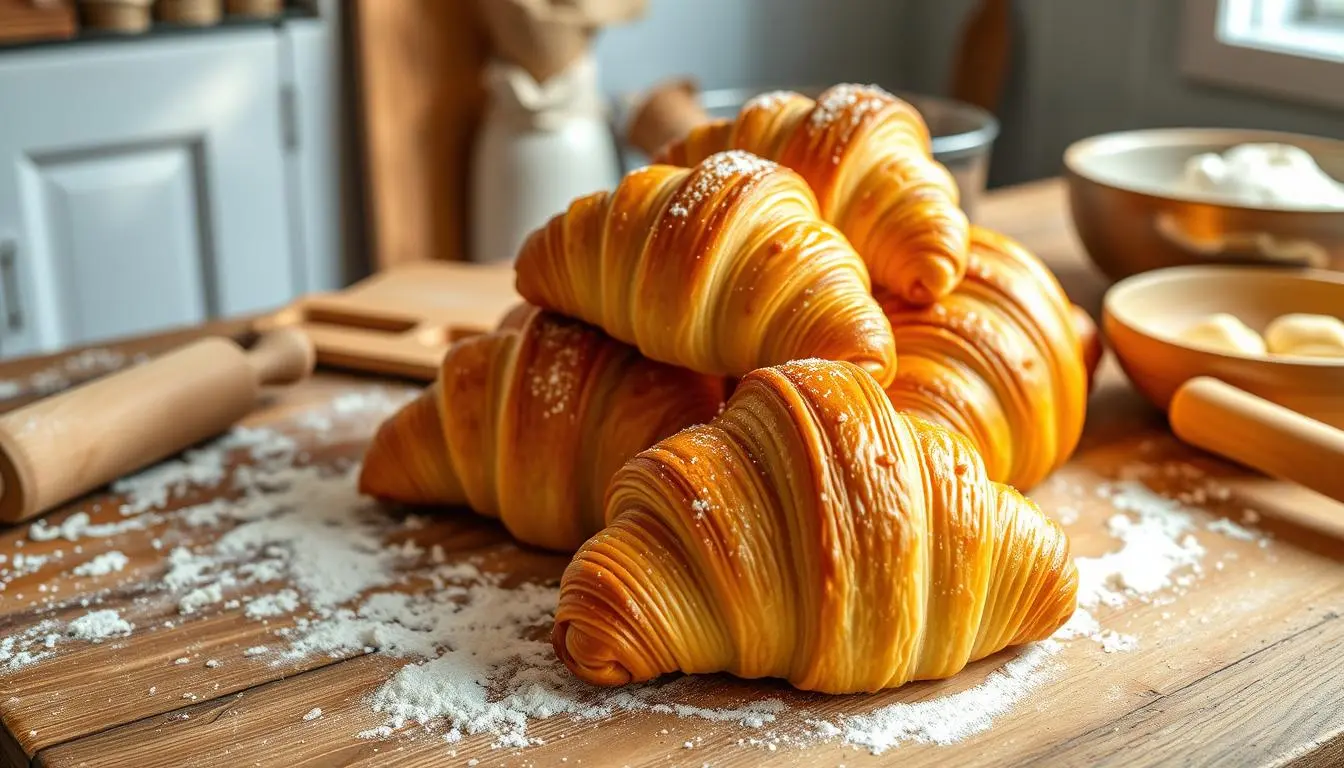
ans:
(161, 30)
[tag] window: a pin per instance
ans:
(1292, 48)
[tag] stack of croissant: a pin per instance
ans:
(776, 392)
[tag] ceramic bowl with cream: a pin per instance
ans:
(1153, 322)
(1148, 199)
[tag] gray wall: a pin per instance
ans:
(1081, 66)
(1089, 66)
(733, 43)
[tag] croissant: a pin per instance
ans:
(814, 534)
(722, 268)
(867, 156)
(529, 422)
(998, 360)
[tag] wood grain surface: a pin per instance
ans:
(1239, 667)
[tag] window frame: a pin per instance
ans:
(1257, 67)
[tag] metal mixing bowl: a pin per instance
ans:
(1131, 218)
(963, 134)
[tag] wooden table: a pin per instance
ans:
(1241, 667)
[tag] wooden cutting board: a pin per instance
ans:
(401, 321)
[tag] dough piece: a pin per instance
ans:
(1306, 335)
(1221, 332)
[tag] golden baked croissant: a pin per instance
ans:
(811, 533)
(867, 156)
(1086, 330)
(998, 360)
(722, 268)
(528, 424)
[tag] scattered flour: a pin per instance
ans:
(345, 579)
(149, 496)
(99, 625)
(1157, 544)
(285, 601)
(1159, 552)
(313, 714)
(946, 719)
(77, 526)
(103, 564)
(200, 597)
(32, 644)
(490, 666)
(1231, 530)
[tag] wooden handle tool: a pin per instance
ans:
(64, 446)
(1252, 431)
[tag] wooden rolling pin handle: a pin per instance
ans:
(283, 356)
(64, 446)
(1259, 434)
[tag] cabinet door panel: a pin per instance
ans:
(119, 224)
(144, 185)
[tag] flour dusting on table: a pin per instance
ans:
(949, 719)
(99, 625)
(290, 544)
(1159, 553)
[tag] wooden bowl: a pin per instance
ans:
(1142, 316)
(1131, 217)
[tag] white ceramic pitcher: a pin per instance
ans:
(540, 145)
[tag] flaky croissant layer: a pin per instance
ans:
(998, 360)
(529, 423)
(721, 268)
(814, 534)
(868, 157)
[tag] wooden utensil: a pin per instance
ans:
(980, 69)
(401, 321)
(1277, 414)
(64, 446)
(1252, 431)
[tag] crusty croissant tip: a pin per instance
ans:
(407, 460)
(589, 657)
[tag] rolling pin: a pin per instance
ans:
(64, 446)
(1211, 414)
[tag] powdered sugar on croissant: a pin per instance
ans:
(868, 157)
(721, 268)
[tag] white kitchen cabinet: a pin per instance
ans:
(153, 183)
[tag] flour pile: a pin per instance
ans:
(949, 719)
(1159, 553)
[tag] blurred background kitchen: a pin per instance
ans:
(164, 163)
